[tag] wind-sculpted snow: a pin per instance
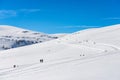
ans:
(92, 54)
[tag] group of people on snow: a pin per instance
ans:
(14, 66)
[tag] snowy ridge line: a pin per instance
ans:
(13, 37)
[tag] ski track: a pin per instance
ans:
(40, 67)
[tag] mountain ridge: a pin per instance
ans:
(12, 37)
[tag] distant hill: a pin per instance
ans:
(12, 37)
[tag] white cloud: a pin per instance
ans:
(82, 26)
(29, 10)
(13, 13)
(112, 18)
(7, 13)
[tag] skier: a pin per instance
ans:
(14, 66)
(41, 60)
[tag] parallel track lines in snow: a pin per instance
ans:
(40, 68)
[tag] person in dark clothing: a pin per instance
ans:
(14, 66)
(41, 60)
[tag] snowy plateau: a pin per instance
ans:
(91, 54)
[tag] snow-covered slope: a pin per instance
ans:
(12, 37)
(60, 34)
(92, 54)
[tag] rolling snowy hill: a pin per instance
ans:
(92, 54)
(12, 37)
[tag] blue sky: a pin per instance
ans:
(59, 16)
